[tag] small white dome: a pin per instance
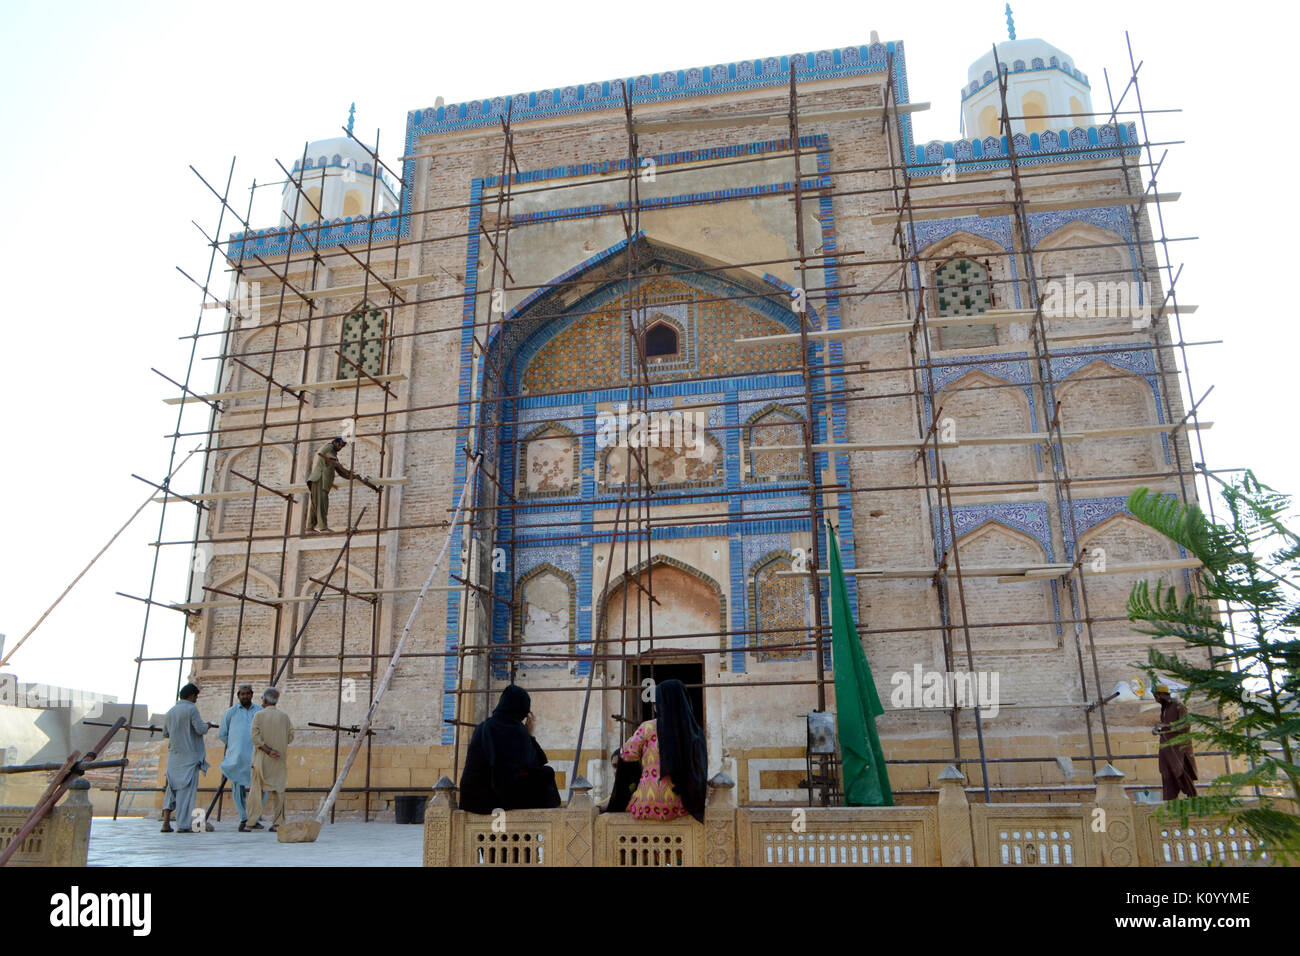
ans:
(1045, 90)
(336, 152)
(337, 177)
(1025, 51)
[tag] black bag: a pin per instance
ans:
(534, 789)
(627, 774)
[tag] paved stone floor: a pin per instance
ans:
(135, 841)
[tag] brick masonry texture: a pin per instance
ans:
(563, 371)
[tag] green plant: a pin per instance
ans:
(1243, 614)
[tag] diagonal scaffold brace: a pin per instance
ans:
(288, 655)
(307, 831)
(72, 768)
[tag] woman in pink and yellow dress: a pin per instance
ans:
(673, 759)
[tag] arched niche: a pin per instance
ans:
(257, 348)
(780, 426)
(780, 610)
(330, 623)
(690, 615)
(354, 203)
(988, 122)
(1101, 395)
(233, 514)
(1086, 280)
(1004, 616)
(226, 631)
(980, 404)
(1123, 540)
(662, 339)
(573, 334)
(698, 462)
(952, 291)
(549, 455)
(545, 618)
(360, 455)
(1033, 106)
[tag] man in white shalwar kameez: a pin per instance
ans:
(186, 759)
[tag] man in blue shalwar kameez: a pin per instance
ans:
(237, 765)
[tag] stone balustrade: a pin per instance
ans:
(1109, 830)
(61, 839)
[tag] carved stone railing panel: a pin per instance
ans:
(61, 839)
(1033, 835)
(838, 836)
(1107, 831)
(623, 841)
(513, 838)
(1201, 841)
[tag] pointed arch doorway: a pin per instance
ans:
(687, 619)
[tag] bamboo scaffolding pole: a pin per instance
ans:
(99, 554)
(396, 657)
(650, 501)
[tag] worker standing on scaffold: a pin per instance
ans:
(326, 466)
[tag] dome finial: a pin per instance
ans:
(353, 108)
(1011, 24)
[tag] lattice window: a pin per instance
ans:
(363, 343)
(1200, 844)
(643, 849)
(962, 286)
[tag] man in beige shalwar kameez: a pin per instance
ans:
(272, 733)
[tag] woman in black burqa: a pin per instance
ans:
(681, 745)
(505, 768)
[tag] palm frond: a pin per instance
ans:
(1185, 524)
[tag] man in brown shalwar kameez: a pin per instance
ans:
(272, 732)
(1177, 764)
(320, 482)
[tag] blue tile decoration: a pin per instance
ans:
(1116, 219)
(1091, 512)
(673, 85)
(994, 228)
(789, 608)
(1008, 366)
(1080, 144)
(1138, 358)
(1030, 517)
(1036, 66)
(543, 315)
(532, 322)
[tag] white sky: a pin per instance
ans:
(106, 105)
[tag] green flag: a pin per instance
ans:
(857, 705)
